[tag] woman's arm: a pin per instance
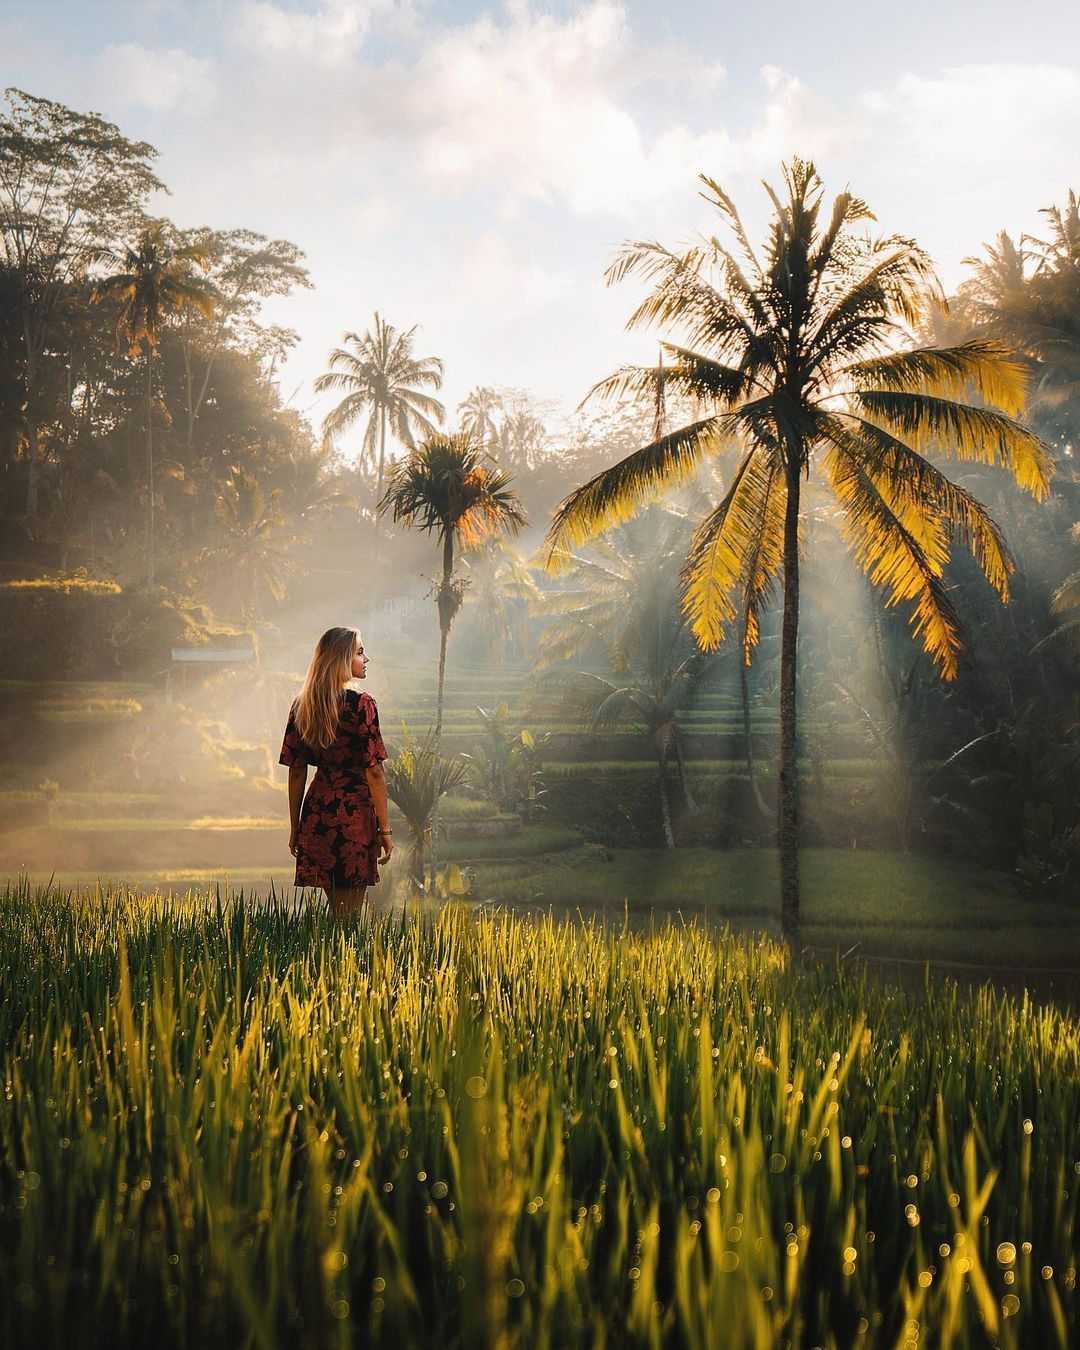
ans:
(297, 784)
(376, 781)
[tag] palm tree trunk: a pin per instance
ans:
(684, 782)
(665, 803)
(788, 812)
(382, 461)
(416, 858)
(445, 619)
(444, 630)
(150, 463)
(32, 471)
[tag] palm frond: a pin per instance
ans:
(892, 558)
(908, 480)
(723, 203)
(764, 564)
(1067, 595)
(695, 375)
(969, 433)
(618, 493)
(847, 210)
(719, 548)
(896, 283)
(989, 368)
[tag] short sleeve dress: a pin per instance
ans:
(337, 843)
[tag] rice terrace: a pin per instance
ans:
(541, 796)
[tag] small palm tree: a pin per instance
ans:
(417, 777)
(152, 282)
(380, 377)
(799, 352)
(446, 488)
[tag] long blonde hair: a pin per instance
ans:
(319, 702)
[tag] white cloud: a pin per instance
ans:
(478, 180)
(157, 78)
(955, 157)
(330, 35)
(544, 108)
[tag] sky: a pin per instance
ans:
(471, 168)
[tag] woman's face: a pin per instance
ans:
(359, 662)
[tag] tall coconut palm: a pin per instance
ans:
(152, 282)
(380, 377)
(478, 409)
(446, 488)
(800, 350)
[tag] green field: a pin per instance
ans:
(247, 1127)
(884, 905)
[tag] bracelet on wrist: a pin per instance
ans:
(387, 830)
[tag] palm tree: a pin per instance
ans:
(1026, 296)
(799, 351)
(249, 554)
(445, 488)
(152, 282)
(417, 777)
(379, 375)
(478, 409)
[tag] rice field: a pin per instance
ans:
(245, 1126)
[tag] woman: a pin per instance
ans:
(341, 832)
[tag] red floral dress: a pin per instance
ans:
(337, 843)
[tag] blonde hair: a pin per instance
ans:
(319, 702)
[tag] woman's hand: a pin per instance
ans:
(292, 840)
(386, 846)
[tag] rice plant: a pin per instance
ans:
(234, 1124)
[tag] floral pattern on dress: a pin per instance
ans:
(337, 843)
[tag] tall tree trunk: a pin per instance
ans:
(32, 426)
(445, 619)
(788, 805)
(665, 802)
(32, 471)
(382, 461)
(684, 782)
(150, 464)
(190, 408)
(416, 859)
(445, 601)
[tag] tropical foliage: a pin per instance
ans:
(798, 352)
(151, 282)
(380, 378)
(448, 487)
(417, 777)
